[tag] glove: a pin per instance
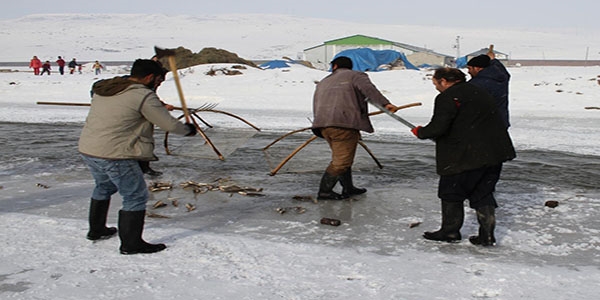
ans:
(191, 128)
(415, 130)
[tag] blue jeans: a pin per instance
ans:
(124, 176)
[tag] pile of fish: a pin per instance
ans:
(198, 188)
(201, 188)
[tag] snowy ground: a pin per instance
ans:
(239, 247)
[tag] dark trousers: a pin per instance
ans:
(477, 186)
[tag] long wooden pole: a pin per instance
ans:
(312, 138)
(370, 114)
(173, 66)
(62, 103)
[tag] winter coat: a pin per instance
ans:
(60, 62)
(467, 130)
(46, 66)
(35, 63)
(73, 64)
(339, 100)
(494, 79)
(120, 123)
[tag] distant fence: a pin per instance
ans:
(510, 62)
(553, 62)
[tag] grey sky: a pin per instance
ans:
(501, 14)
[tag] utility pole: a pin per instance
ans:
(457, 46)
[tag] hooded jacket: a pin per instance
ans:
(467, 131)
(120, 123)
(35, 63)
(494, 79)
(339, 100)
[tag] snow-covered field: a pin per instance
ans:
(234, 248)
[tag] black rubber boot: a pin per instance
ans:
(97, 220)
(131, 225)
(326, 188)
(487, 223)
(348, 187)
(145, 166)
(453, 215)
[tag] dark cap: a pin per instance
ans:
(144, 67)
(342, 62)
(481, 61)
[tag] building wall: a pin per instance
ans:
(419, 58)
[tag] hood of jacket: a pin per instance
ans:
(111, 87)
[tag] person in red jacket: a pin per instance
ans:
(35, 64)
(61, 65)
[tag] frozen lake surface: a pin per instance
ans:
(400, 194)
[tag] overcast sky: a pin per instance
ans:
(503, 13)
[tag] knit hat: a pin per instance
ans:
(481, 61)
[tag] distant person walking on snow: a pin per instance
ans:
(72, 65)
(118, 132)
(61, 65)
(490, 74)
(35, 64)
(471, 143)
(340, 113)
(46, 68)
(97, 67)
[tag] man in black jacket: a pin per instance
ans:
(471, 145)
(490, 74)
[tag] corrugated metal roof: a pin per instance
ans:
(363, 40)
(359, 39)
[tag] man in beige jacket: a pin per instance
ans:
(117, 134)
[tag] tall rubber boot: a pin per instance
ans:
(453, 215)
(145, 166)
(487, 223)
(131, 225)
(97, 220)
(348, 187)
(326, 188)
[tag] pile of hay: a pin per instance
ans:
(185, 58)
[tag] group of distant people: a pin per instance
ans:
(36, 64)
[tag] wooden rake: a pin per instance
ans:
(314, 137)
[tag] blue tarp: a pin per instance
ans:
(274, 64)
(461, 62)
(365, 59)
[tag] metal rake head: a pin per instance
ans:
(206, 106)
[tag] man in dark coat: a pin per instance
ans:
(490, 74)
(72, 65)
(340, 113)
(471, 145)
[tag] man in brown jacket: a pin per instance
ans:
(340, 113)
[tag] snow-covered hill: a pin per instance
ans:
(109, 37)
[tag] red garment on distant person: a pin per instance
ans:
(60, 62)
